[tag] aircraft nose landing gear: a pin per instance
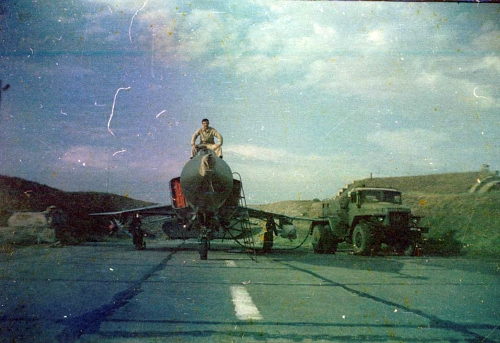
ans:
(204, 243)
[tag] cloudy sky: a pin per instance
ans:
(105, 94)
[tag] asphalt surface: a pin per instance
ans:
(108, 292)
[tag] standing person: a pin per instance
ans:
(56, 220)
(137, 232)
(207, 135)
(269, 234)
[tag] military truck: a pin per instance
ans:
(366, 218)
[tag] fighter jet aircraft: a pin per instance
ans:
(208, 203)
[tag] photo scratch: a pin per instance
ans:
(152, 54)
(132, 20)
(52, 38)
(478, 96)
(338, 124)
(119, 152)
(159, 114)
(48, 146)
(113, 107)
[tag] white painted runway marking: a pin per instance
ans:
(243, 304)
(230, 263)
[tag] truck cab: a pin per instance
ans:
(381, 205)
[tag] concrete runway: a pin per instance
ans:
(108, 292)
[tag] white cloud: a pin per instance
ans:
(408, 142)
(376, 36)
(85, 156)
(488, 63)
(488, 41)
(276, 173)
(254, 152)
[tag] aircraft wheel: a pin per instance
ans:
(204, 248)
(362, 239)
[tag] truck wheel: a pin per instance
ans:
(317, 241)
(322, 240)
(362, 239)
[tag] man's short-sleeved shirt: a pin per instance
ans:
(207, 136)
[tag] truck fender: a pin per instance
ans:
(338, 228)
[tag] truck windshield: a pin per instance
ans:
(373, 195)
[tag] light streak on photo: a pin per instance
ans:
(119, 152)
(132, 20)
(113, 107)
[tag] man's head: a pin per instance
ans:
(205, 123)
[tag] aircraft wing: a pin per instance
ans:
(153, 210)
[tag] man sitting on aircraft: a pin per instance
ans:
(207, 135)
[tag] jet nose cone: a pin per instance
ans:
(206, 182)
(207, 165)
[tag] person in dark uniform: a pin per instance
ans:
(137, 232)
(269, 234)
(57, 220)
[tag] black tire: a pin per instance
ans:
(323, 241)
(204, 249)
(316, 241)
(362, 239)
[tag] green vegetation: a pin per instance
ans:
(459, 223)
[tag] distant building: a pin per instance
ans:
(485, 168)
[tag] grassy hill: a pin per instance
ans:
(458, 222)
(18, 195)
(450, 183)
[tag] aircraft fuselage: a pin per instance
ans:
(206, 182)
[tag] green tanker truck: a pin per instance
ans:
(366, 217)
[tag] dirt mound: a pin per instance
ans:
(298, 208)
